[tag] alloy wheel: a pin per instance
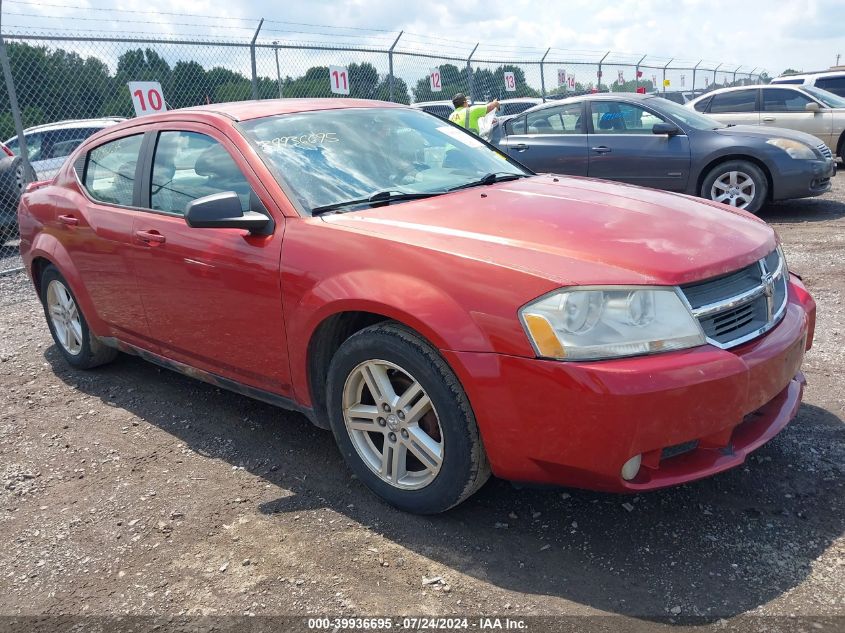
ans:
(393, 424)
(735, 188)
(65, 317)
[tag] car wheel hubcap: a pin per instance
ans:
(393, 424)
(735, 188)
(65, 317)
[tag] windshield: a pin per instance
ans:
(684, 114)
(332, 156)
(828, 98)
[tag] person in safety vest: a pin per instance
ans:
(467, 116)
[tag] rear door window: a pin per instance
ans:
(110, 170)
(565, 119)
(190, 165)
(836, 85)
(734, 101)
(515, 126)
(784, 100)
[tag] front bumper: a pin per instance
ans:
(690, 414)
(804, 178)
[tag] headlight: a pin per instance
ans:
(591, 324)
(795, 149)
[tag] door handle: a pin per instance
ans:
(521, 147)
(68, 220)
(601, 149)
(769, 119)
(150, 238)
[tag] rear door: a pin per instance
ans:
(212, 296)
(623, 147)
(96, 231)
(552, 140)
(737, 107)
(786, 107)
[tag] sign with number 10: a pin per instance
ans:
(147, 97)
(339, 80)
(510, 82)
(434, 80)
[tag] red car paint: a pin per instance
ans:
(455, 268)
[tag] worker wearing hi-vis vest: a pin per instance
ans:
(467, 116)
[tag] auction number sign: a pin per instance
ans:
(510, 82)
(566, 80)
(434, 80)
(147, 97)
(339, 80)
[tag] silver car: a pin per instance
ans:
(49, 145)
(802, 108)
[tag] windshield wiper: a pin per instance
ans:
(491, 178)
(379, 197)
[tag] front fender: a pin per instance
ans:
(427, 309)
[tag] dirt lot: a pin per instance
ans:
(132, 490)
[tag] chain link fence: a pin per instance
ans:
(57, 90)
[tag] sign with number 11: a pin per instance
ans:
(339, 80)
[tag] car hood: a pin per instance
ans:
(575, 231)
(766, 133)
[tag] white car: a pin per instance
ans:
(830, 80)
(49, 145)
(802, 108)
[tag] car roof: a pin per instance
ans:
(815, 73)
(247, 110)
(522, 100)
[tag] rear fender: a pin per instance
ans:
(46, 246)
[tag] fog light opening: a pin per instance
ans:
(631, 467)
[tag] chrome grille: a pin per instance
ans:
(741, 305)
(825, 150)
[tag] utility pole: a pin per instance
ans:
(837, 58)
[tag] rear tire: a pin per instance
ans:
(411, 438)
(736, 183)
(80, 348)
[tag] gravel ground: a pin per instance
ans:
(132, 490)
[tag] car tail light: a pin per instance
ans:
(7, 151)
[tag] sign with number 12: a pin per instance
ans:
(510, 82)
(434, 80)
(147, 97)
(339, 80)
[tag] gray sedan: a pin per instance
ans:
(649, 141)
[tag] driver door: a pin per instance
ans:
(212, 296)
(623, 147)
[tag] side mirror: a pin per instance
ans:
(670, 129)
(812, 107)
(223, 211)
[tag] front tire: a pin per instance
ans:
(737, 183)
(80, 348)
(403, 422)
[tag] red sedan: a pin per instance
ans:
(444, 311)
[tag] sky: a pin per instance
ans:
(773, 34)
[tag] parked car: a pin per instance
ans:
(438, 108)
(442, 309)
(802, 108)
(830, 80)
(676, 96)
(649, 141)
(49, 145)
